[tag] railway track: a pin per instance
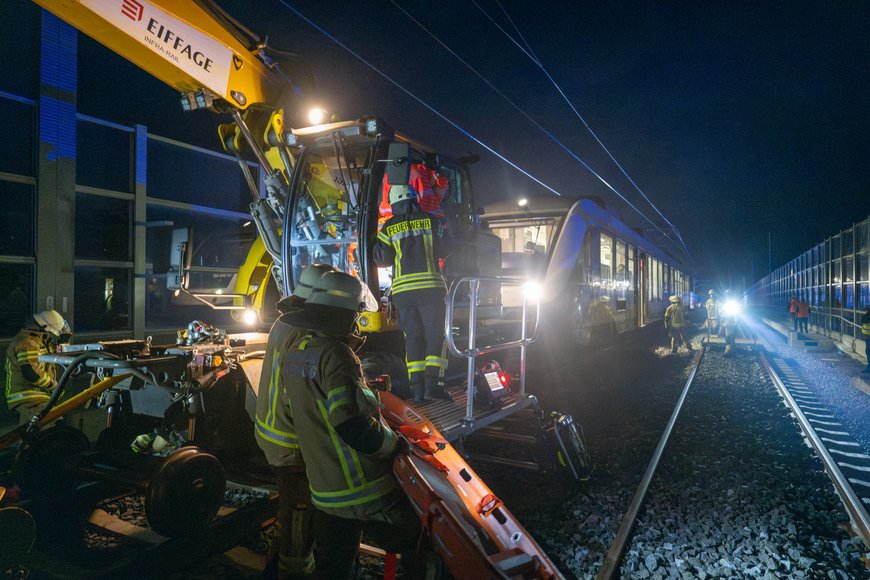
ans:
(844, 460)
(712, 505)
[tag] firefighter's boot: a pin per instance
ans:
(417, 390)
(434, 391)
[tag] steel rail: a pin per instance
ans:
(857, 512)
(614, 554)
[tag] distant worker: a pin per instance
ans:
(712, 322)
(430, 188)
(347, 447)
(792, 311)
(409, 244)
(803, 315)
(675, 321)
(290, 554)
(865, 334)
(29, 383)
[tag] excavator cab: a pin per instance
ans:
(337, 200)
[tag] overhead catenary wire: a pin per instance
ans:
(526, 115)
(530, 53)
(419, 100)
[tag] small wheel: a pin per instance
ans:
(185, 493)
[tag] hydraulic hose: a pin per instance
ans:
(64, 378)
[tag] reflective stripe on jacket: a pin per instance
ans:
(865, 325)
(27, 379)
(273, 429)
(408, 243)
(325, 389)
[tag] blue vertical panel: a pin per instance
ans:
(57, 76)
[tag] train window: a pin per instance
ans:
(532, 237)
(621, 280)
(630, 276)
(606, 270)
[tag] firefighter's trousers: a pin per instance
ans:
(425, 350)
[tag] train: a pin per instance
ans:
(596, 276)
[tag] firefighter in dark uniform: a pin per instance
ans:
(347, 447)
(29, 383)
(675, 321)
(290, 554)
(409, 242)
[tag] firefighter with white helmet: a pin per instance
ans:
(409, 242)
(345, 443)
(675, 321)
(712, 323)
(29, 383)
(290, 553)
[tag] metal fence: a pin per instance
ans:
(832, 277)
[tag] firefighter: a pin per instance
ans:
(290, 554)
(29, 383)
(347, 447)
(712, 307)
(409, 243)
(675, 321)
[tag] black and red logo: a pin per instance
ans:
(132, 10)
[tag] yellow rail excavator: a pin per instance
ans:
(322, 203)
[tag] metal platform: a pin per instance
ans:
(449, 416)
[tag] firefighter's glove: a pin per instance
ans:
(142, 443)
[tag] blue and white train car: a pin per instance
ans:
(597, 276)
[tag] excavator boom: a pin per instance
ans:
(181, 42)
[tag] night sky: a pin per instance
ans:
(738, 120)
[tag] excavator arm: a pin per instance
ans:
(181, 42)
(216, 63)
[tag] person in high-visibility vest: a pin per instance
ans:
(712, 323)
(29, 383)
(865, 334)
(291, 552)
(346, 445)
(409, 243)
(803, 315)
(792, 311)
(675, 321)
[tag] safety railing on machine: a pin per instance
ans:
(473, 351)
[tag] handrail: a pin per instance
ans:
(473, 350)
(474, 282)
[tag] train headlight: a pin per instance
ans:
(731, 308)
(250, 317)
(533, 292)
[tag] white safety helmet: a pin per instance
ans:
(341, 290)
(308, 277)
(400, 193)
(51, 321)
(674, 299)
(711, 292)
